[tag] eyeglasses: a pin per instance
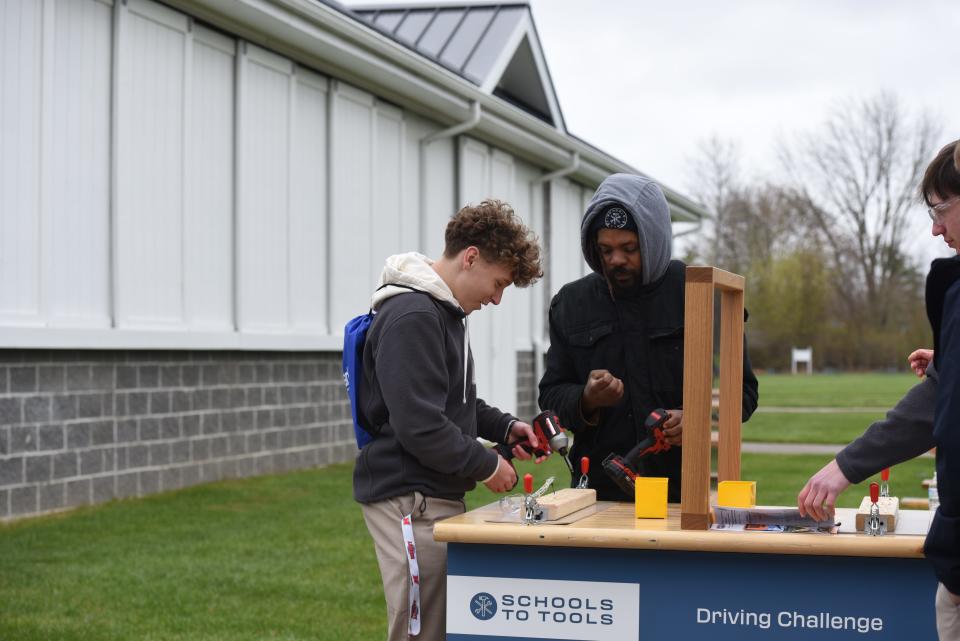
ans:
(937, 211)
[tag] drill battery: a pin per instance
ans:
(624, 470)
(550, 437)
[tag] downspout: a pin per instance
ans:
(696, 227)
(470, 123)
(538, 339)
(563, 171)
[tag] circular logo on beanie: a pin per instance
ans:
(615, 218)
(483, 606)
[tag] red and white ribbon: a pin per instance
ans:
(406, 525)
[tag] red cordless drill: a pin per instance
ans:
(549, 432)
(624, 470)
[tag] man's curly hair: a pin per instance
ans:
(501, 237)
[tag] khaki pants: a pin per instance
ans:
(383, 522)
(948, 616)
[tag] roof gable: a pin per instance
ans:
(494, 46)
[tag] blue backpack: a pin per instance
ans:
(354, 338)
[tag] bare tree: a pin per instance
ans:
(750, 223)
(716, 183)
(855, 181)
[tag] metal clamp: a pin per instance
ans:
(584, 482)
(874, 525)
(532, 511)
(525, 505)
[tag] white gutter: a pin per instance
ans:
(475, 113)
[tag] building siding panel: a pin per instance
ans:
(208, 209)
(308, 206)
(389, 178)
(21, 23)
(351, 279)
(265, 139)
(153, 54)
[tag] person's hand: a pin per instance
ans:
(673, 427)
(919, 360)
(603, 389)
(505, 477)
(521, 432)
(819, 495)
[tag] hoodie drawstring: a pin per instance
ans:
(466, 354)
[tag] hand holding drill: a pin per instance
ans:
(624, 470)
(544, 436)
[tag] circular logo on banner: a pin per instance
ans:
(615, 218)
(483, 606)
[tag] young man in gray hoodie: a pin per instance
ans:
(420, 391)
(616, 335)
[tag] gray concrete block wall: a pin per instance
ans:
(83, 427)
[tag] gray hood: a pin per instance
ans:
(416, 271)
(644, 200)
(413, 270)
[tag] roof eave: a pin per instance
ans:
(327, 36)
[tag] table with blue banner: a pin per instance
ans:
(613, 577)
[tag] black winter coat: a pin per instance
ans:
(639, 340)
(942, 545)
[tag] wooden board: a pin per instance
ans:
(566, 501)
(617, 527)
(889, 511)
(701, 283)
(697, 402)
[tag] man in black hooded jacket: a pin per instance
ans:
(616, 336)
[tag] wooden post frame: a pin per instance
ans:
(698, 388)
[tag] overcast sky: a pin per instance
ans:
(646, 81)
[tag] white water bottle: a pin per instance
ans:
(933, 496)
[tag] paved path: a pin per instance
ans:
(821, 410)
(789, 448)
(795, 448)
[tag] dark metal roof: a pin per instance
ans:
(471, 40)
(465, 38)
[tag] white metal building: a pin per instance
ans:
(230, 174)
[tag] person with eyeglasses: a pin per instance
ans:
(942, 546)
(909, 428)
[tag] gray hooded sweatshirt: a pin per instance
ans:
(418, 386)
(645, 202)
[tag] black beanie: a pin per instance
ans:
(613, 216)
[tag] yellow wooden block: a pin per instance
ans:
(737, 493)
(651, 497)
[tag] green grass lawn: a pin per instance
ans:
(780, 477)
(776, 427)
(281, 557)
(834, 390)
